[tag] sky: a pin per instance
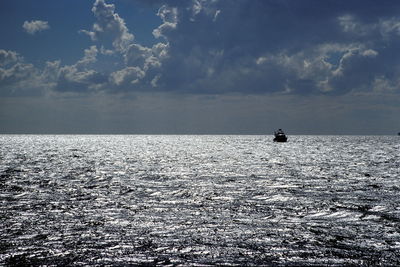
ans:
(200, 66)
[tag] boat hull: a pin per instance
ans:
(280, 139)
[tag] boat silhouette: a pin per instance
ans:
(280, 136)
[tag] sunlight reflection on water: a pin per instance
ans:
(120, 200)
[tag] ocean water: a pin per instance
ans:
(121, 200)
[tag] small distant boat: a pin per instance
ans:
(280, 136)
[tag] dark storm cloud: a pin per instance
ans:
(280, 46)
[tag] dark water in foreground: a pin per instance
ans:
(199, 200)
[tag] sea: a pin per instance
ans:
(199, 200)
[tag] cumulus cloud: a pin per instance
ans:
(79, 77)
(7, 57)
(89, 57)
(35, 26)
(129, 75)
(383, 85)
(137, 55)
(115, 39)
(109, 26)
(169, 16)
(249, 47)
(16, 76)
(264, 47)
(381, 28)
(72, 79)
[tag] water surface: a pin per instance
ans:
(199, 200)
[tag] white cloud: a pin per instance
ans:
(348, 23)
(80, 77)
(155, 80)
(20, 78)
(73, 79)
(127, 76)
(209, 46)
(390, 26)
(369, 53)
(137, 55)
(51, 73)
(381, 84)
(8, 57)
(261, 60)
(89, 57)
(386, 27)
(17, 73)
(35, 26)
(107, 52)
(217, 12)
(109, 25)
(160, 51)
(196, 7)
(110, 28)
(169, 16)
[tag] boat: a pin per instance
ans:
(280, 136)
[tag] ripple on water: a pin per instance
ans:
(181, 200)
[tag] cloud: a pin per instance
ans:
(220, 65)
(19, 73)
(276, 47)
(389, 26)
(89, 57)
(137, 55)
(246, 47)
(169, 16)
(72, 79)
(16, 76)
(129, 75)
(383, 85)
(79, 77)
(35, 26)
(7, 57)
(115, 38)
(386, 28)
(109, 27)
